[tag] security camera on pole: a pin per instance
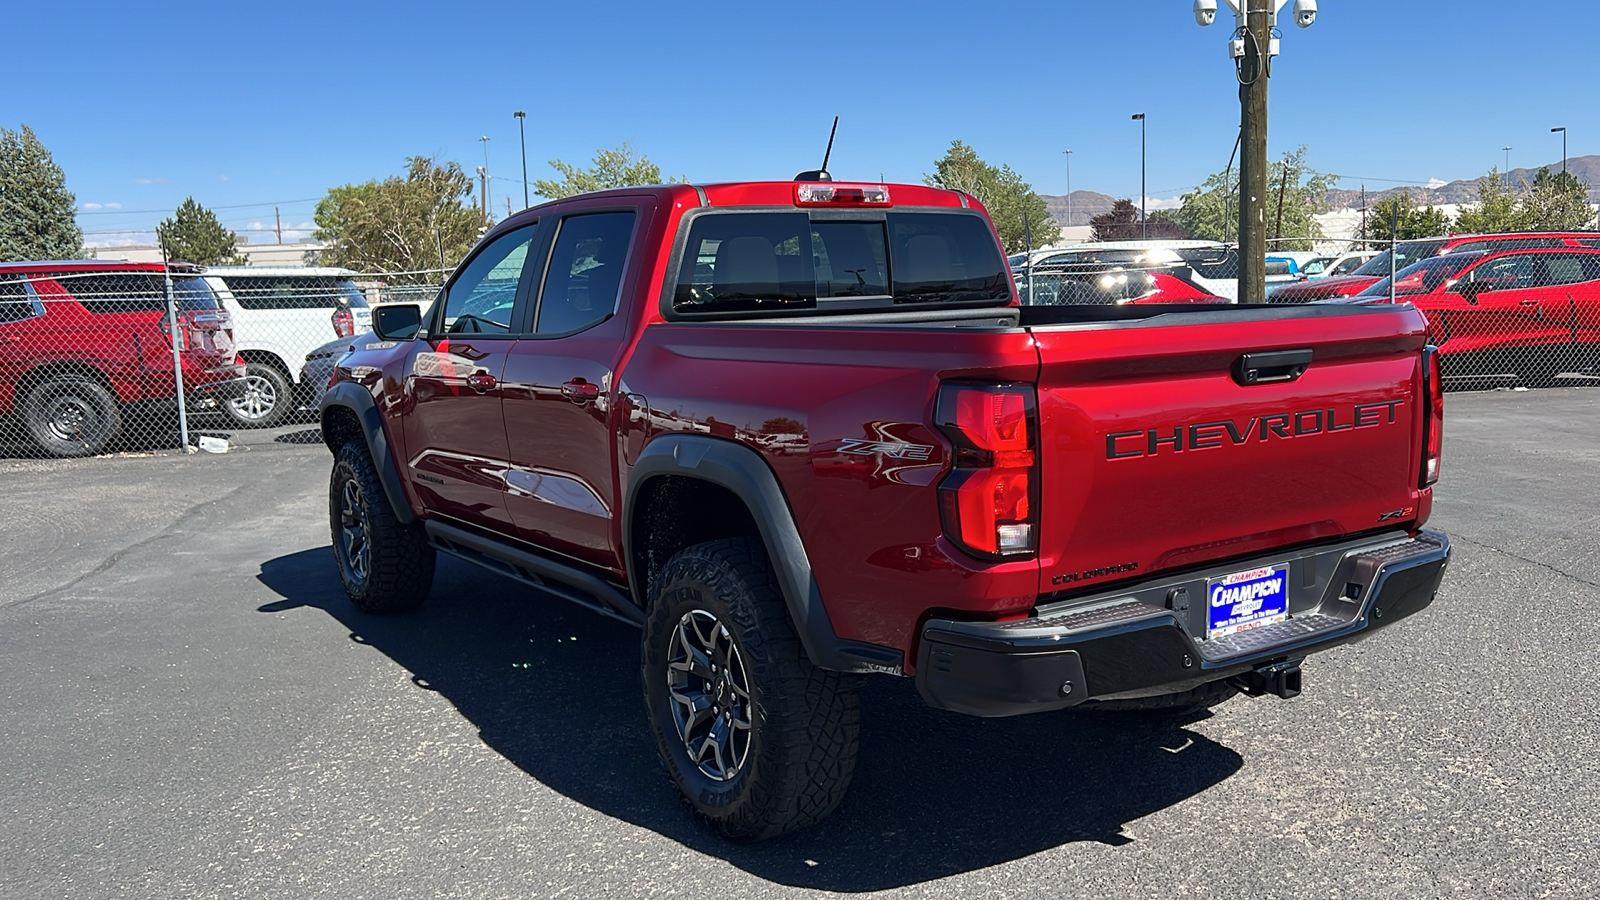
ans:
(1252, 48)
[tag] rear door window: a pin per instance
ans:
(783, 261)
(585, 274)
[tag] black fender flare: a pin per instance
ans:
(742, 471)
(358, 400)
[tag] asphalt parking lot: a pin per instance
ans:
(192, 709)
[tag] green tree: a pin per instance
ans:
(1556, 201)
(1013, 205)
(37, 219)
(1400, 217)
(1496, 211)
(193, 234)
(401, 225)
(612, 169)
(1211, 211)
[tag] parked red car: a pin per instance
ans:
(1408, 252)
(85, 346)
(1534, 313)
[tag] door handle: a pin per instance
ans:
(481, 381)
(1527, 303)
(579, 391)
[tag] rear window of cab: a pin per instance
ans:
(796, 262)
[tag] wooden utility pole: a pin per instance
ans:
(1253, 160)
(278, 223)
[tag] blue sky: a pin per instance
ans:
(247, 105)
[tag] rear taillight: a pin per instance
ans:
(1432, 416)
(344, 323)
(989, 501)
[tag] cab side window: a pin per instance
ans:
(585, 274)
(15, 304)
(482, 299)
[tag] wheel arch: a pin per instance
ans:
(347, 411)
(268, 358)
(738, 494)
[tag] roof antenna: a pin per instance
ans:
(822, 173)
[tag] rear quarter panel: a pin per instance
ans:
(842, 416)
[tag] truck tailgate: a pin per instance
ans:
(1158, 453)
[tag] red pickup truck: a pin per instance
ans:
(799, 432)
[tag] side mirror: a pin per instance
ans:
(397, 321)
(1468, 291)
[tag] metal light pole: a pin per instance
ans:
(523, 134)
(1068, 154)
(485, 141)
(1144, 226)
(1506, 176)
(1563, 130)
(1252, 46)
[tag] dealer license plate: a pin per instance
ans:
(1246, 600)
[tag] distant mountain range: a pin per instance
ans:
(1088, 204)
(1585, 168)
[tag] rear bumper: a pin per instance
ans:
(220, 391)
(1142, 641)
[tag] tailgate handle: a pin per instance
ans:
(1271, 367)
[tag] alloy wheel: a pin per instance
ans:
(710, 695)
(257, 400)
(353, 530)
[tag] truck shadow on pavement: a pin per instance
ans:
(555, 690)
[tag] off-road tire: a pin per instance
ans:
(268, 398)
(397, 571)
(1182, 703)
(805, 721)
(70, 415)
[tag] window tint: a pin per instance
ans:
(107, 293)
(585, 272)
(15, 304)
(1346, 267)
(1506, 273)
(481, 299)
(294, 292)
(1570, 269)
(851, 259)
(1403, 255)
(945, 257)
(745, 262)
(1280, 267)
(750, 262)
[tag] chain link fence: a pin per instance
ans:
(1511, 309)
(103, 357)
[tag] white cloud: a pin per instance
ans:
(222, 178)
(1158, 203)
(150, 181)
(102, 206)
(1436, 183)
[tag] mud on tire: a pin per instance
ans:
(387, 567)
(792, 767)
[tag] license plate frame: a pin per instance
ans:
(1241, 601)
